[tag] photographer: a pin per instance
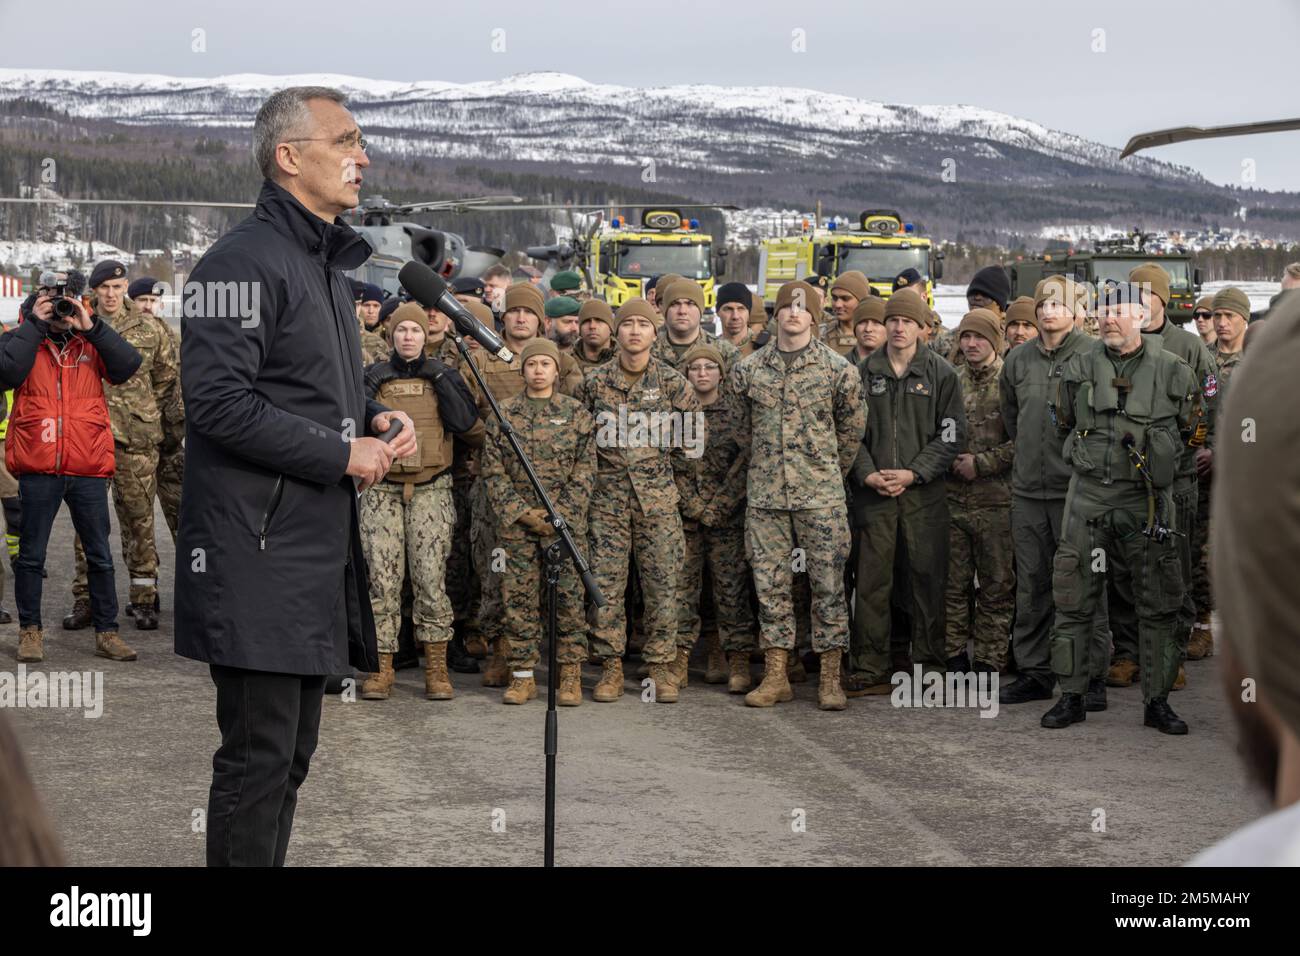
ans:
(60, 447)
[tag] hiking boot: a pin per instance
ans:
(1201, 645)
(1180, 681)
(1068, 710)
(458, 659)
(30, 641)
(775, 687)
(437, 683)
(1123, 674)
(146, 618)
(569, 693)
(109, 644)
(1159, 715)
(856, 685)
(716, 670)
(378, 685)
(476, 646)
(795, 672)
(522, 688)
(1095, 699)
(739, 681)
(664, 684)
(680, 667)
(610, 686)
(497, 673)
(79, 618)
(830, 695)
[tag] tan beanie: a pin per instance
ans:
(637, 306)
(1232, 299)
(872, 309)
(812, 297)
(1154, 274)
(983, 322)
(525, 295)
(1023, 310)
(478, 308)
(702, 350)
(406, 312)
(539, 346)
(854, 283)
(681, 289)
(1204, 302)
(1064, 290)
(908, 305)
(758, 312)
(596, 309)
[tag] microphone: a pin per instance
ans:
(430, 290)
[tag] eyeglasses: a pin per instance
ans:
(349, 142)
(1202, 315)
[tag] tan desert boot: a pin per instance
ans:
(739, 681)
(522, 688)
(830, 695)
(377, 686)
(569, 693)
(775, 688)
(437, 683)
(610, 686)
(109, 644)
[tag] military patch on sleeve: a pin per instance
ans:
(1211, 386)
(877, 386)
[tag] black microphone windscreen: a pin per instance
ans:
(425, 285)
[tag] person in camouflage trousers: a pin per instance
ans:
(407, 518)
(802, 420)
(712, 490)
(979, 507)
(647, 421)
(555, 432)
(136, 409)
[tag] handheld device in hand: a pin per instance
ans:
(392, 431)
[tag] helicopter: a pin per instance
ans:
(1182, 134)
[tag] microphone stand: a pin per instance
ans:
(555, 553)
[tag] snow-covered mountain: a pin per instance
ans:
(555, 117)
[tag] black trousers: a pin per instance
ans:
(269, 723)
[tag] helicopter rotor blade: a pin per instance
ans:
(1182, 134)
(129, 202)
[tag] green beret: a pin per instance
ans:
(561, 305)
(566, 281)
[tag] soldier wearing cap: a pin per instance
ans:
(142, 410)
(660, 284)
(562, 321)
(369, 300)
(556, 433)
(735, 308)
(1195, 459)
(915, 427)
(979, 504)
(569, 283)
(634, 506)
(847, 290)
(683, 309)
(595, 345)
(712, 491)
(868, 328)
(802, 418)
(1127, 408)
(1203, 316)
(1022, 322)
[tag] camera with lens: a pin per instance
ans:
(61, 286)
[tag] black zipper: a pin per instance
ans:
(276, 494)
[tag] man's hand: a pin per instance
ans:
(879, 481)
(1204, 461)
(964, 467)
(897, 480)
(534, 519)
(404, 443)
(369, 460)
(81, 318)
(43, 309)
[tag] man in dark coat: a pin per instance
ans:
(271, 585)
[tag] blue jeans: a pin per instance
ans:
(87, 500)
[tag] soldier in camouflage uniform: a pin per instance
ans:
(634, 507)
(555, 432)
(1022, 322)
(595, 345)
(683, 309)
(136, 409)
(712, 490)
(370, 302)
(847, 290)
(734, 305)
(979, 506)
(802, 419)
(408, 517)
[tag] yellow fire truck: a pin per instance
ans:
(881, 247)
(620, 257)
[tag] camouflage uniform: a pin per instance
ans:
(373, 348)
(674, 355)
(979, 538)
(607, 353)
(556, 434)
(634, 505)
(841, 342)
(1225, 363)
(754, 340)
(712, 490)
(801, 425)
(142, 409)
(171, 454)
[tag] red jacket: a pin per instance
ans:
(59, 424)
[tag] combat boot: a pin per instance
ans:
(79, 618)
(476, 646)
(497, 673)
(569, 693)
(715, 670)
(379, 685)
(795, 672)
(1160, 715)
(146, 618)
(437, 684)
(680, 667)
(610, 686)
(775, 687)
(1095, 699)
(1123, 674)
(739, 681)
(109, 644)
(458, 659)
(5, 616)
(30, 641)
(1201, 645)
(664, 685)
(522, 688)
(1068, 710)
(830, 695)
(1024, 689)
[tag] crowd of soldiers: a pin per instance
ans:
(842, 486)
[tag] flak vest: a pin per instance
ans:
(433, 444)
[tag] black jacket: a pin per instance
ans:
(270, 574)
(18, 349)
